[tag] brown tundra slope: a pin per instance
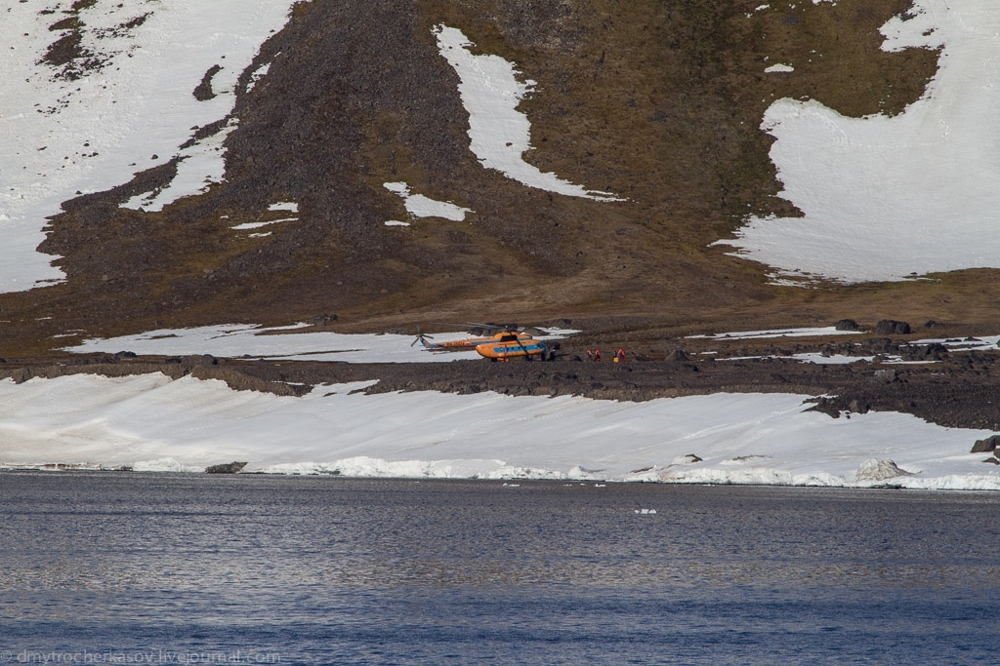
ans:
(656, 101)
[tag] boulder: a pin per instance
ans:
(881, 345)
(892, 327)
(226, 468)
(201, 359)
(986, 445)
(935, 350)
(885, 376)
(859, 407)
(847, 325)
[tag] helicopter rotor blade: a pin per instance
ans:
(493, 327)
(421, 337)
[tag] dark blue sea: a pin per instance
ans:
(167, 568)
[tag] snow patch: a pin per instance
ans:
(257, 75)
(984, 343)
(499, 133)
(420, 206)
(258, 225)
(886, 198)
(776, 333)
(199, 166)
(830, 359)
(164, 465)
(239, 340)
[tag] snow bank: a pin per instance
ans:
(886, 198)
(154, 423)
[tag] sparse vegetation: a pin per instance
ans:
(658, 101)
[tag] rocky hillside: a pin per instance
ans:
(657, 103)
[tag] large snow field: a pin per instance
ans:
(155, 423)
(60, 137)
(887, 197)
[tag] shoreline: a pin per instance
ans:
(508, 482)
(721, 411)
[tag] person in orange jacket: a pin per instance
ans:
(620, 356)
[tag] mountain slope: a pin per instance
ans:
(657, 102)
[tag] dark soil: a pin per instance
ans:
(658, 102)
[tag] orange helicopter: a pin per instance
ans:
(506, 343)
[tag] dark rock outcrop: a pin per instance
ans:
(885, 376)
(892, 327)
(847, 325)
(859, 406)
(226, 468)
(204, 91)
(201, 359)
(986, 445)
